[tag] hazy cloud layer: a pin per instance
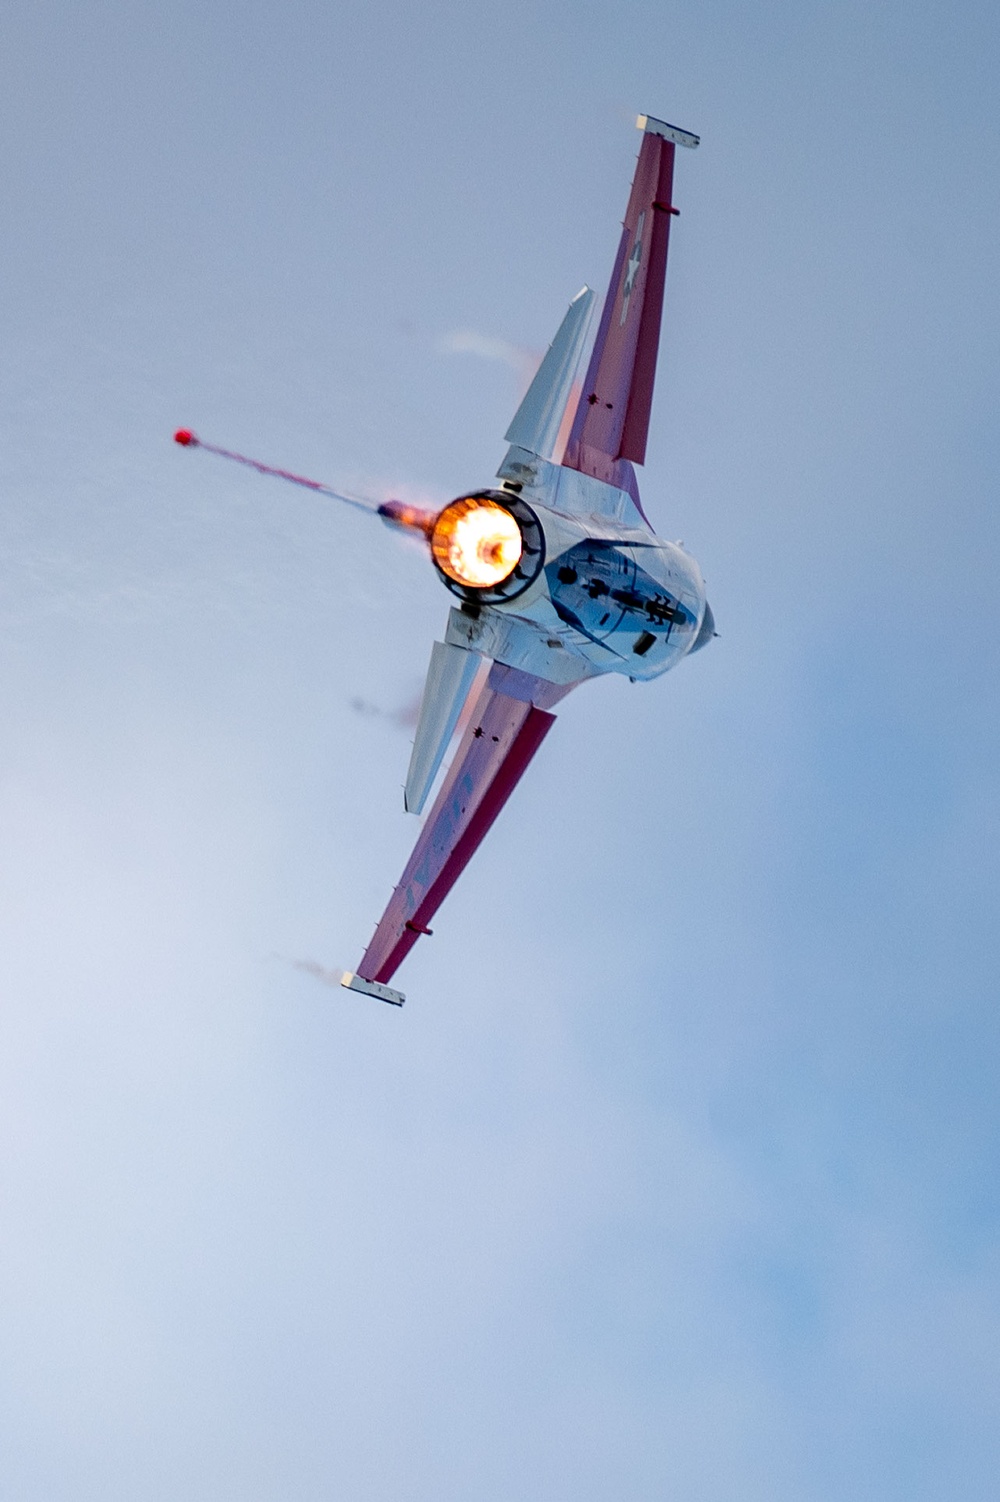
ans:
(676, 1175)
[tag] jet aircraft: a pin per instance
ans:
(556, 570)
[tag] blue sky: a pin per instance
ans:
(677, 1176)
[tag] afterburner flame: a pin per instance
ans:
(476, 542)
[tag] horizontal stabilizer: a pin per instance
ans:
(538, 419)
(450, 678)
(372, 988)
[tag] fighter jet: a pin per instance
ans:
(556, 571)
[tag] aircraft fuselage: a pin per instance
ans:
(596, 591)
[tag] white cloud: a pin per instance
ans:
(487, 347)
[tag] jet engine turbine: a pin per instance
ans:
(488, 546)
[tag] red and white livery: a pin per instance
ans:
(555, 569)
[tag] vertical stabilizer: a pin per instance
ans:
(538, 419)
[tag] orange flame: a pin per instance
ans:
(410, 518)
(476, 542)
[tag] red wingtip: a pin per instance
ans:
(185, 438)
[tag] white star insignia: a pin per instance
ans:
(632, 269)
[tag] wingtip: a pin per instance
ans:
(654, 127)
(373, 988)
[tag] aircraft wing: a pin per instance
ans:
(510, 719)
(612, 419)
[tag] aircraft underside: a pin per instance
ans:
(558, 573)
